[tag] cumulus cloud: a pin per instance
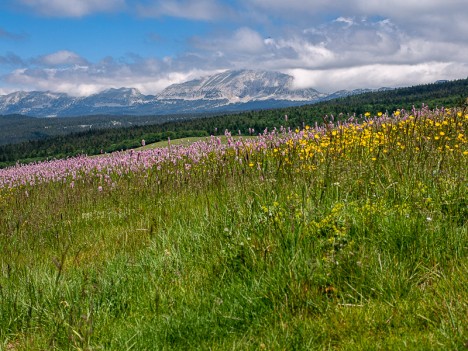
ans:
(247, 40)
(205, 10)
(378, 75)
(63, 57)
(243, 41)
(71, 8)
(432, 19)
(358, 45)
(148, 75)
(386, 8)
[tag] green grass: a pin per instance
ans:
(165, 143)
(354, 255)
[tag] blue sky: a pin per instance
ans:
(84, 46)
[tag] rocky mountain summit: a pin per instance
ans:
(241, 87)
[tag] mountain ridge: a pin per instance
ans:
(241, 86)
(233, 90)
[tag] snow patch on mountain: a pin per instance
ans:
(240, 86)
(227, 91)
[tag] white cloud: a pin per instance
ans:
(295, 5)
(340, 43)
(391, 8)
(148, 75)
(205, 10)
(72, 8)
(348, 20)
(63, 57)
(405, 8)
(378, 75)
(432, 19)
(6, 91)
(246, 40)
(243, 44)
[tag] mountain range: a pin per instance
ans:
(227, 91)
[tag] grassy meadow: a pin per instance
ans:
(346, 236)
(187, 141)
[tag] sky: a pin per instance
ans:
(81, 47)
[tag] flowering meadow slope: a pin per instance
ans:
(348, 235)
(437, 132)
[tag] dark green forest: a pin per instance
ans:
(156, 128)
(15, 129)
